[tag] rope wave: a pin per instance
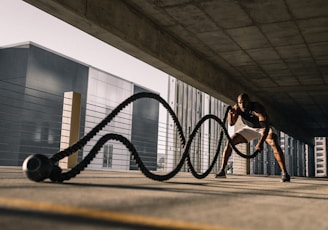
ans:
(57, 176)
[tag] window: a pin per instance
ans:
(108, 156)
(319, 165)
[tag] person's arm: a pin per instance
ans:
(233, 115)
(263, 119)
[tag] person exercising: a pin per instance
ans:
(257, 126)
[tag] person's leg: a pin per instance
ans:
(236, 139)
(272, 140)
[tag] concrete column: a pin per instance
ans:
(241, 165)
(70, 127)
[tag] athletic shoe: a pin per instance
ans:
(285, 177)
(221, 174)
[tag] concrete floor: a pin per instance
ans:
(128, 200)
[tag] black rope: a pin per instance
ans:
(58, 176)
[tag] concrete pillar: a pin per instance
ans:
(70, 127)
(241, 165)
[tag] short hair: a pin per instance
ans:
(244, 96)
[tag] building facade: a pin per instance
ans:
(33, 81)
(320, 153)
(190, 105)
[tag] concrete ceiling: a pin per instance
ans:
(276, 50)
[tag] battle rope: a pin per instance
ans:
(38, 167)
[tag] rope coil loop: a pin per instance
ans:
(56, 174)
